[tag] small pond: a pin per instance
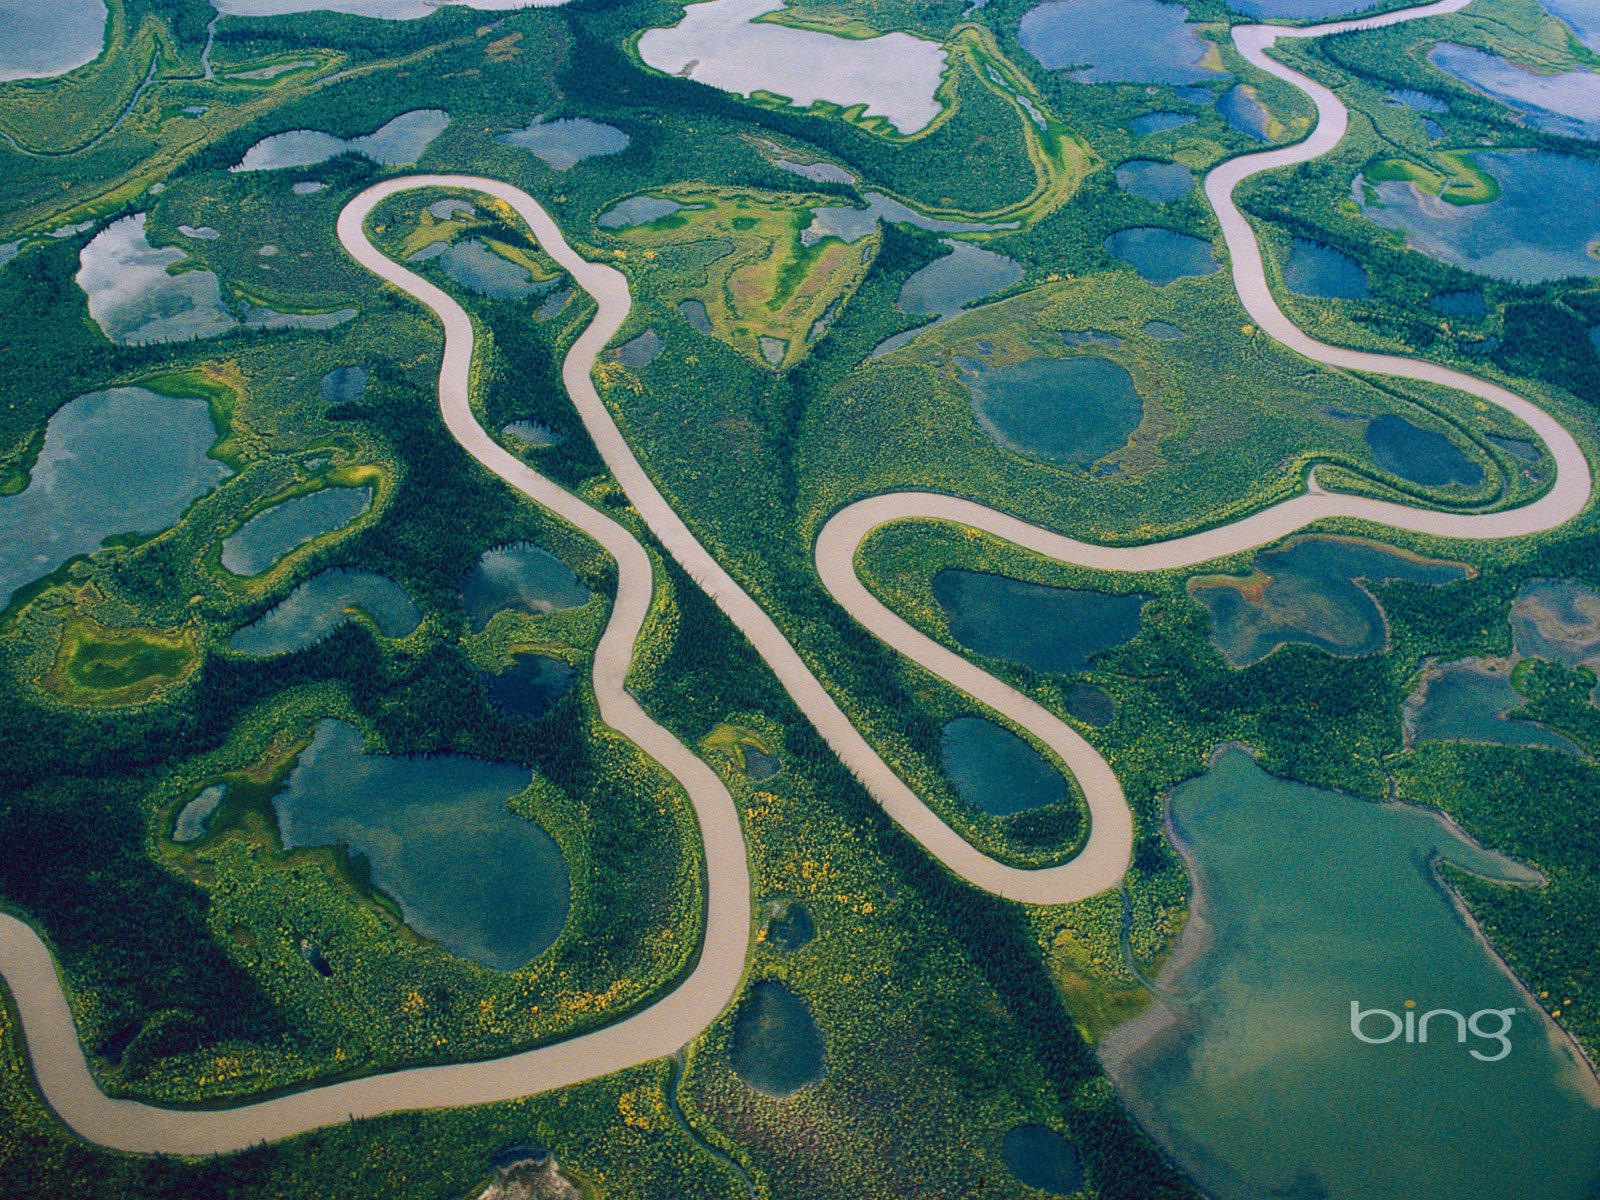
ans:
(1322, 272)
(791, 929)
(1468, 701)
(1419, 101)
(997, 772)
(1307, 594)
(1530, 233)
(1133, 41)
(438, 838)
(1046, 628)
(1155, 181)
(563, 144)
(1467, 306)
(758, 764)
(1091, 705)
(125, 460)
(193, 820)
(638, 353)
(1041, 1158)
(1306, 902)
(400, 142)
(324, 602)
(694, 312)
(344, 385)
(1061, 410)
(41, 40)
(776, 1048)
(530, 687)
(1423, 456)
(1162, 255)
(1568, 103)
(1161, 331)
(521, 577)
(852, 224)
(268, 537)
(721, 43)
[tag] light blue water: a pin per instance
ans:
(125, 460)
(852, 224)
(1155, 181)
(1533, 232)
(521, 577)
(1133, 41)
(1582, 16)
(465, 871)
(947, 285)
(1308, 901)
(1323, 272)
(1300, 10)
(480, 270)
(563, 144)
(324, 602)
(269, 536)
(196, 815)
(638, 353)
(997, 772)
(1568, 103)
(1162, 255)
(397, 143)
(1421, 101)
(1557, 620)
(42, 39)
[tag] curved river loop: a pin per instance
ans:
(677, 1018)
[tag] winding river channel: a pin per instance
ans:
(674, 1020)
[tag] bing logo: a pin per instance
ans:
(1488, 1024)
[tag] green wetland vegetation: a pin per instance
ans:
(245, 573)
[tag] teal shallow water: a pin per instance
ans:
(125, 460)
(1039, 626)
(776, 1047)
(435, 830)
(1061, 410)
(1252, 1078)
(269, 536)
(1311, 597)
(997, 772)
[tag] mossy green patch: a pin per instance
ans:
(100, 665)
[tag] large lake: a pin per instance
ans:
(1248, 1072)
(1567, 103)
(125, 460)
(1532, 232)
(466, 871)
(721, 43)
(40, 39)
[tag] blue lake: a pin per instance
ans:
(1155, 181)
(1241, 109)
(1321, 271)
(1041, 1158)
(1162, 255)
(1420, 101)
(1247, 1070)
(997, 772)
(776, 1047)
(1467, 701)
(529, 687)
(1133, 41)
(637, 210)
(1160, 122)
(438, 837)
(324, 602)
(1062, 410)
(1465, 305)
(1053, 629)
(268, 537)
(947, 285)
(1423, 456)
(480, 270)
(1532, 232)
(125, 460)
